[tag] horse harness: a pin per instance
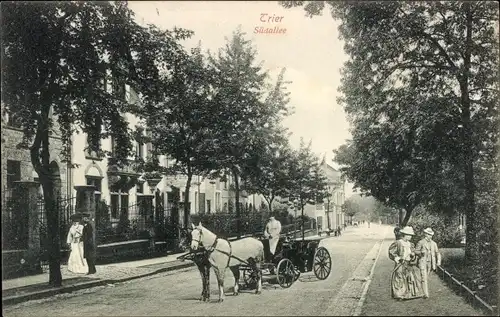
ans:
(213, 248)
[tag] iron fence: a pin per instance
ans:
(134, 222)
(64, 207)
(17, 208)
(15, 220)
(224, 225)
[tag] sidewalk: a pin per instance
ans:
(442, 302)
(36, 286)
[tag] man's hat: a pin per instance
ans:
(429, 231)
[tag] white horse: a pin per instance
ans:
(223, 254)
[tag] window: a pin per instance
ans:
(139, 149)
(119, 204)
(196, 201)
(13, 172)
(201, 203)
(217, 201)
(139, 188)
(92, 150)
(96, 182)
(113, 145)
(115, 205)
(209, 209)
(149, 145)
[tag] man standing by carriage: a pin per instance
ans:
(272, 233)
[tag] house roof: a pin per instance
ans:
(331, 173)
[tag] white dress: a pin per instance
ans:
(76, 261)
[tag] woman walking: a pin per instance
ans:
(406, 281)
(76, 262)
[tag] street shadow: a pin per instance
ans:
(308, 279)
(191, 298)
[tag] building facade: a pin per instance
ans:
(328, 214)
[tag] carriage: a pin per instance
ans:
(292, 258)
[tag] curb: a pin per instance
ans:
(348, 299)
(69, 289)
(362, 299)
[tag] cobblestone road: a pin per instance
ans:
(176, 293)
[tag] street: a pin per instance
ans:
(177, 293)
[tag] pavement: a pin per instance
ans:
(359, 284)
(442, 300)
(36, 286)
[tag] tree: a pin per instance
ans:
(441, 56)
(351, 208)
(307, 181)
(180, 125)
(268, 175)
(243, 111)
(56, 59)
(382, 212)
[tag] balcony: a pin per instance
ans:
(124, 177)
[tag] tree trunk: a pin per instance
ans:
(472, 249)
(400, 218)
(270, 203)
(407, 217)
(187, 210)
(237, 202)
(40, 158)
(52, 212)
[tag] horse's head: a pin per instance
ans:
(196, 236)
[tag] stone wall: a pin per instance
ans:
(11, 137)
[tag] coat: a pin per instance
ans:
(88, 240)
(396, 250)
(430, 257)
(272, 232)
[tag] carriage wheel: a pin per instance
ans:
(250, 278)
(322, 263)
(286, 274)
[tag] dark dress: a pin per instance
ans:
(406, 281)
(88, 247)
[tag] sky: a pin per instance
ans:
(309, 50)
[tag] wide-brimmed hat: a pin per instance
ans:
(76, 217)
(407, 230)
(429, 231)
(80, 215)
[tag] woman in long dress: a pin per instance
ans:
(76, 261)
(406, 281)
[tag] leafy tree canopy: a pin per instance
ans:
(57, 61)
